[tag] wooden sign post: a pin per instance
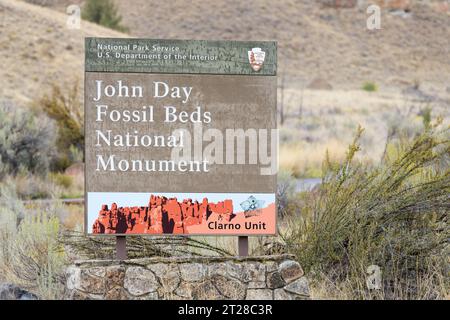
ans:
(180, 138)
(243, 246)
(121, 248)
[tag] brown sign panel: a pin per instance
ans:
(180, 147)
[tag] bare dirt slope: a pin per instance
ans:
(408, 59)
(38, 50)
(314, 41)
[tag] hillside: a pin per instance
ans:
(325, 57)
(38, 50)
(314, 41)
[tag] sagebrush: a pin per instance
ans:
(27, 141)
(30, 253)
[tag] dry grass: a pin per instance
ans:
(73, 217)
(32, 187)
(329, 119)
(305, 160)
(428, 286)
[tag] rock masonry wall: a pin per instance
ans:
(211, 278)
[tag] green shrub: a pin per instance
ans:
(66, 110)
(27, 141)
(370, 87)
(393, 215)
(425, 113)
(103, 12)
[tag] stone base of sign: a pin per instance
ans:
(206, 278)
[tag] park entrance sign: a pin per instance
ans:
(180, 137)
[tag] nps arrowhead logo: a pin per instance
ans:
(256, 58)
(252, 204)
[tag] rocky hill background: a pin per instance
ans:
(38, 50)
(316, 38)
(326, 56)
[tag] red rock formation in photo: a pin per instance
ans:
(162, 215)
